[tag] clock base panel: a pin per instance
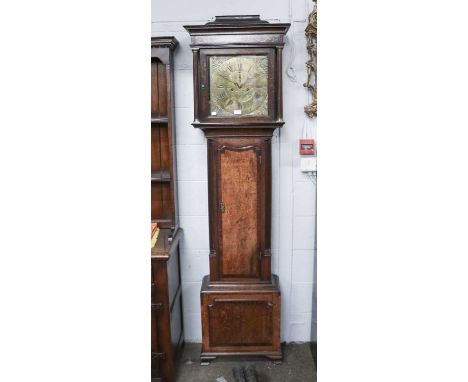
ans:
(241, 319)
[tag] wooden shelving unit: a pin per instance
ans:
(163, 159)
(166, 301)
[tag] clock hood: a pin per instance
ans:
(235, 30)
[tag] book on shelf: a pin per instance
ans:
(154, 233)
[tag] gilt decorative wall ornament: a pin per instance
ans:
(311, 84)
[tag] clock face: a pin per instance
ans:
(238, 85)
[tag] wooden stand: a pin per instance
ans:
(238, 104)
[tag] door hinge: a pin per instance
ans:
(158, 356)
(157, 306)
(223, 207)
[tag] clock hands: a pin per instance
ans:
(239, 83)
(228, 79)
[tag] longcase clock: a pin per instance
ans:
(238, 104)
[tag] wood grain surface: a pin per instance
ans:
(239, 219)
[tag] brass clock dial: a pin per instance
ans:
(238, 85)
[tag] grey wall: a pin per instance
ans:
(293, 215)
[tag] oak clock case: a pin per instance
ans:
(237, 67)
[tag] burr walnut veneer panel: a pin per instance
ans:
(239, 218)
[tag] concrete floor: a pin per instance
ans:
(297, 366)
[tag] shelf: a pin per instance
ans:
(160, 176)
(164, 223)
(167, 243)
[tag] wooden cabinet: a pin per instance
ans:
(237, 68)
(166, 307)
(166, 300)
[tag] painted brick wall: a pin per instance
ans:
(293, 214)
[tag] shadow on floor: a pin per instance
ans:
(297, 366)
